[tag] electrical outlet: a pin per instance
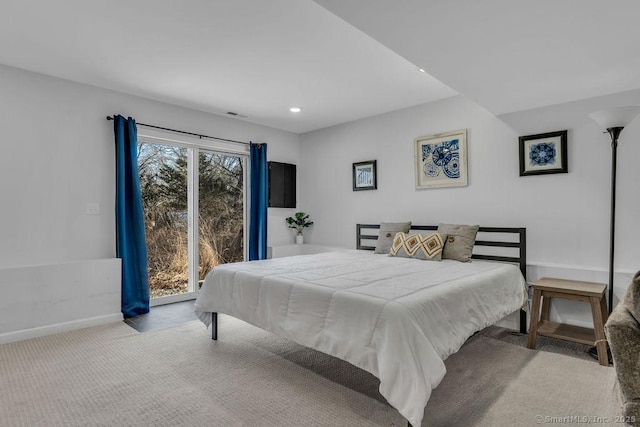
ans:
(93, 208)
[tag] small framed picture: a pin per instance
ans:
(441, 160)
(364, 176)
(543, 153)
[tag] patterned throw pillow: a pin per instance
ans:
(420, 246)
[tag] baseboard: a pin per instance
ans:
(41, 331)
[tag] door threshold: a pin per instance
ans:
(170, 299)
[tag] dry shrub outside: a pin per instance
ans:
(168, 255)
(208, 256)
(167, 258)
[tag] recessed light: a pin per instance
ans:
(422, 70)
(295, 109)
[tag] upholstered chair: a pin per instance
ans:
(623, 333)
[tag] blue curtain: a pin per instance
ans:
(258, 204)
(131, 245)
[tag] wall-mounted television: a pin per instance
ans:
(282, 185)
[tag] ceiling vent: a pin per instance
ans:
(231, 113)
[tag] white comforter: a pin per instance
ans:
(396, 318)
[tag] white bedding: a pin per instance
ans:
(397, 318)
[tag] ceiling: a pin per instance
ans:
(510, 55)
(256, 58)
(338, 60)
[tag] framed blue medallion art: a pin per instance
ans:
(441, 160)
(543, 153)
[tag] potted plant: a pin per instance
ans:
(299, 222)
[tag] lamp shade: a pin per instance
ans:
(615, 117)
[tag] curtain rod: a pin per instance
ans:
(186, 133)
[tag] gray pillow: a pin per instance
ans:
(388, 231)
(459, 242)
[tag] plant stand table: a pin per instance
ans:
(592, 293)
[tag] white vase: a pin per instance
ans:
(299, 239)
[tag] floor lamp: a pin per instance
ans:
(614, 120)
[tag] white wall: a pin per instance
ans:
(57, 155)
(566, 215)
(50, 298)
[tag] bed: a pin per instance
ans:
(397, 318)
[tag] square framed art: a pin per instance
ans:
(365, 176)
(543, 153)
(441, 160)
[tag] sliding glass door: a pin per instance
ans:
(163, 182)
(220, 210)
(194, 205)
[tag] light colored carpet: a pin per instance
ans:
(112, 375)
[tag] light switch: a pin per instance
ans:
(93, 208)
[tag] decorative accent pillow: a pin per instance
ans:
(459, 242)
(420, 246)
(388, 231)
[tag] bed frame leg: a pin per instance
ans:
(523, 321)
(214, 326)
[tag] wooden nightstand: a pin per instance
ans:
(593, 293)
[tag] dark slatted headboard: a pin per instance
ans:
(515, 242)
(364, 241)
